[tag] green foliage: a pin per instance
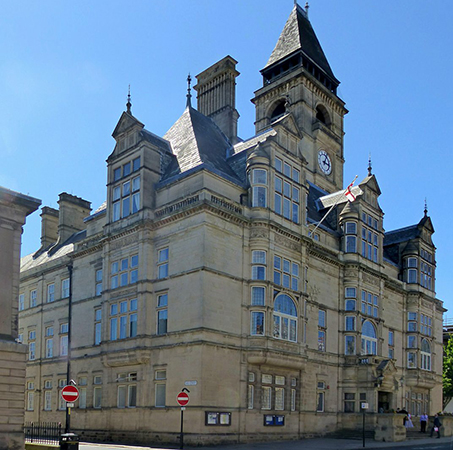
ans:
(448, 372)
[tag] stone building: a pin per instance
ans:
(14, 208)
(207, 269)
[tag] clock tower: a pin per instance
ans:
(298, 80)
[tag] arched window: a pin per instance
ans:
(278, 111)
(322, 115)
(285, 318)
(369, 339)
(425, 355)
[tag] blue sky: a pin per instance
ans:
(65, 68)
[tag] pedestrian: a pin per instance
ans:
(436, 426)
(423, 422)
(408, 423)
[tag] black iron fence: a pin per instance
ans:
(43, 432)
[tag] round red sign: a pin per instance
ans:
(182, 398)
(69, 393)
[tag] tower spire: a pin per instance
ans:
(129, 104)
(189, 95)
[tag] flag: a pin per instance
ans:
(348, 193)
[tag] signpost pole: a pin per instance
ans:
(181, 435)
(363, 428)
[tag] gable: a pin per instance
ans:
(126, 122)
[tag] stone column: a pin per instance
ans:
(14, 208)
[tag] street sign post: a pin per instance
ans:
(182, 398)
(69, 393)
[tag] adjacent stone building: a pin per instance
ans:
(14, 208)
(207, 269)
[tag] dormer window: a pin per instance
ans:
(126, 193)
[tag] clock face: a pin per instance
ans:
(325, 164)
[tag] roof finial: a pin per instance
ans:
(189, 95)
(306, 8)
(369, 165)
(426, 207)
(129, 104)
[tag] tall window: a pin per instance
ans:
(127, 390)
(391, 344)
(320, 396)
(286, 273)
(126, 192)
(412, 322)
(285, 318)
(257, 325)
(258, 265)
(162, 313)
(370, 304)
(411, 270)
(287, 191)
(425, 355)
(123, 319)
(251, 391)
(62, 382)
(82, 387)
(426, 269)
(369, 339)
(50, 293)
(349, 402)
(21, 302)
(47, 400)
(64, 329)
(425, 325)
(30, 395)
(162, 263)
(97, 326)
(65, 288)
(258, 295)
(350, 231)
(160, 377)
(349, 345)
(369, 238)
(259, 188)
(32, 345)
(98, 282)
(322, 326)
(33, 298)
(350, 294)
(97, 391)
(49, 342)
(124, 272)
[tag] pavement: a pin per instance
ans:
(303, 444)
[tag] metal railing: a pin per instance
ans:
(43, 432)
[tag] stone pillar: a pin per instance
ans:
(14, 208)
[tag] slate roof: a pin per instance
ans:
(28, 262)
(298, 35)
(315, 214)
(197, 141)
(401, 235)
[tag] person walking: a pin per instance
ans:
(423, 422)
(436, 426)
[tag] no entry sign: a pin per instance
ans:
(69, 393)
(182, 398)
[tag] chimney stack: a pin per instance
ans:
(72, 212)
(216, 96)
(49, 226)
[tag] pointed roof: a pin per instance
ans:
(298, 36)
(196, 140)
(126, 121)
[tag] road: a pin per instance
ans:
(306, 444)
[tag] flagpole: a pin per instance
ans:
(340, 197)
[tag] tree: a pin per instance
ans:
(448, 372)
